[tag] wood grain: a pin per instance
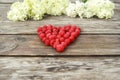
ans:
(88, 27)
(59, 68)
(30, 45)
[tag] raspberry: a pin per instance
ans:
(49, 27)
(61, 33)
(67, 41)
(62, 39)
(48, 31)
(74, 34)
(43, 39)
(60, 48)
(57, 40)
(62, 29)
(72, 38)
(52, 37)
(67, 35)
(64, 44)
(47, 35)
(67, 27)
(77, 32)
(58, 36)
(47, 42)
(55, 30)
(45, 26)
(52, 42)
(55, 44)
(42, 35)
(39, 29)
(54, 33)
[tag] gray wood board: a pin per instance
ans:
(30, 45)
(59, 68)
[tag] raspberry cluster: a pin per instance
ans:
(58, 37)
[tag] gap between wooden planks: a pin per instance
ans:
(30, 45)
(105, 68)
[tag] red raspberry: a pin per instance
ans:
(42, 35)
(44, 30)
(43, 39)
(64, 44)
(59, 28)
(47, 35)
(71, 30)
(61, 33)
(39, 29)
(62, 39)
(55, 30)
(62, 29)
(47, 42)
(54, 33)
(52, 37)
(74, 27)
(52, 42)
(58, 36)
(72, 38)
(55, 44)
(45, 26)
(67, 27)
(57, 40)
(60, 48)
(48, 31)
(74, 34)
(67, 35)
(67, 41)
(77, 31)
(49, 27)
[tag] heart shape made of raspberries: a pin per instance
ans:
(58, 37)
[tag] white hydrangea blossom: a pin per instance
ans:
(80, 8)
(71, 10)
(18, 12)
(99, 8)
(55, 7)
(37, 10)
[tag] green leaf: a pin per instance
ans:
(84, 1)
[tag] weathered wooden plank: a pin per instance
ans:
(59, 68)
(89, 26)
(30, 45)
(9, 1)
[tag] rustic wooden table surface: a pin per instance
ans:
(95, 55)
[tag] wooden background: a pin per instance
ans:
(95, 55)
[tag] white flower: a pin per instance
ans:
(37, 10)
(55, 7)
(80, 8)
(18, 12)
(100, 8)
(71, 10)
